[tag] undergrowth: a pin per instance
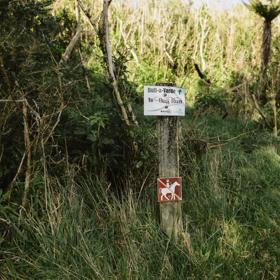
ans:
(230, 209)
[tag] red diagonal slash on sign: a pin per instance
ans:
(160, 181)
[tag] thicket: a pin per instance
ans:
(77, 197)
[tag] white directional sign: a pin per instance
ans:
(164, 101)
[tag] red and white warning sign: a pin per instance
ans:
(169, 189)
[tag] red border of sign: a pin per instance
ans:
(167, 195)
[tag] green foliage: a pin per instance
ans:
(267, 11)
(210, 100)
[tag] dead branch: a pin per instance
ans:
(2, 151)
(11, 100)
(130, 110)
(86, 13)
(273, 103)
(11, 185)
(70, 47)
(103, 34)
(255, 102)
(201, 75)
(274, 109)
(62, 107)
(4, 72)
(28, 155)
(75, 38)
(85, 72)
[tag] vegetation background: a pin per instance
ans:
(77, 178)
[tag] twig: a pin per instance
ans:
(2, 151)
(5, 75)
(130, 110)
(11, 100)
(87, 16)
(201, 75)
(143, 185)
(28, 155)
(260, 111)
(62, 106)
(11, 185)
(85, 71)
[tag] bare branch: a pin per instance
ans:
(103, 34)
(75, 38)
(28, 155)
(11, 185)
(201, 75)
(255, 102)
(88, 16)
(62, 107)
(70, 47)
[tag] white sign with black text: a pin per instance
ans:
(164, 101)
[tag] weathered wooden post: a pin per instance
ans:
(167, 102)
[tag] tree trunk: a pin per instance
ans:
(266, 43)
(103, 34)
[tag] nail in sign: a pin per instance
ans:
(169, 189)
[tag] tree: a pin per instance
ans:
(269, 10)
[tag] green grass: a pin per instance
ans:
(231, 211)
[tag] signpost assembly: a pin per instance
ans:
(167, 102)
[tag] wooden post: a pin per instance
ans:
(168, 150)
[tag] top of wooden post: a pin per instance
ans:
(166, 84)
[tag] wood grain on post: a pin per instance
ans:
(168, 150)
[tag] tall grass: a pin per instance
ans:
(230, 208)
(161, 40)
